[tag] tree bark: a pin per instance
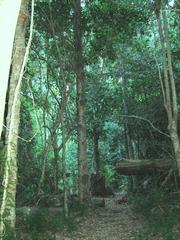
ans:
(64, 153)
(128, 141)
(96, 149)
(7, 213)
(80, 81)
(129, 150)
(168, 82)
(18, 57)
(140, 167)
(55, 165)
(7, 32)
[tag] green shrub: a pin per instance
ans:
(39, 223)
(109, 173)
(161, 210)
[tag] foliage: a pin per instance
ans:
(109, 173)
(161, 210)
(119, 40)
(42, 224)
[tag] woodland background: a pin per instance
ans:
(97, 111)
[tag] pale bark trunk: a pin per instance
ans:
(168, 85)
(176, 145)
(7, 213)
(129, 150)
(173, 125)
(7, 32)
(17, 60)
(80, 81)
(64, 159)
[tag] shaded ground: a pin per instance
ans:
(111, 219)
(112, 222)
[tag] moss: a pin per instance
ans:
(2, 161)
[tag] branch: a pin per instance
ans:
(148, 121)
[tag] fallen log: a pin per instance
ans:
(140, 167)
(25, 211)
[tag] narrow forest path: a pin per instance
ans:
(112, 222)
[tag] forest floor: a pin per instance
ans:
(111, 218)
(112, 222)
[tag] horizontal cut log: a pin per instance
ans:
(139, 167)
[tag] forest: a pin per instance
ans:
(89, 120)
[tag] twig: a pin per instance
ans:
(146, 120)
(167, 177)
(19, 137)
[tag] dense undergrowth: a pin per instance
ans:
(41, 221)
(42, 224)
(161, 211)
(159, 208)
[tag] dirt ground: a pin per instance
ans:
(112, 222)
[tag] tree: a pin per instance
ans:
(7, 32)
(80, 85)
(167, 81)
(7, 212)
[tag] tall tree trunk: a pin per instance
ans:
(128, 142)
(18, 57)
(132, 181)
(129, 150)
(168, 82)
(63, 102)
(80, 81)
(7, 32)
(55, 165)
(7, 213)
(96, 149)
